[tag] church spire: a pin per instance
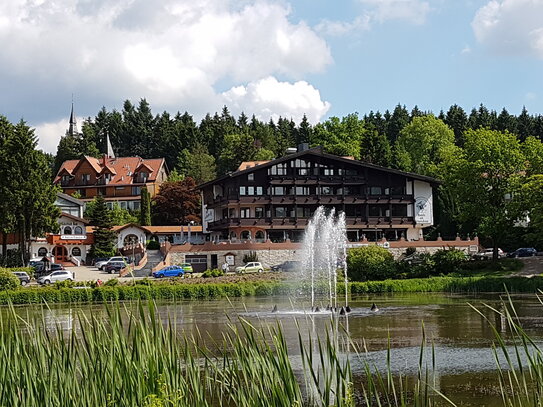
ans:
(72, 130)
(110, 152)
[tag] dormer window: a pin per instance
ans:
(144, 176)
(85, 178)
(65, 178)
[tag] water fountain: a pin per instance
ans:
(324, 252)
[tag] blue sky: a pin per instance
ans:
(267, 57)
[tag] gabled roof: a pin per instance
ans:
(144, 165)
(76, 218)
(70, 198)
(318, 151)
(122, 168)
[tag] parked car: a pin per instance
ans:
(23, 277)
(60, 275)
(291, 265)
(252, 267)
(99, 260)
(414, 258)
(523, 252)
(100, 264)
(169, 271)
(187, 267)
(42, 271)
(114, 266)
(488, 254)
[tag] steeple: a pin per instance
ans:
(72, 130)
(110, 152)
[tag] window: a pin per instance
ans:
(304, 212)
(242, 190)
(302, 191)
(259, 190)
(85, 178)
(136, 190)
(279, 169)
(250, 190)
(326, 190)
(78, 230)
(376, 190)
(144, 176)
(82, 192)
(76, 251)
(119, 188)
(250, 177)
(259, 212)
(397, 190)
(225, 213)
(328, 171)
(42, 252)
(67, 230)
(351, 172)
(244, 213)
(399, 210)
(278, 190)
(375, 210)
(123, 204)
(101, 191)
(231, 213)
(280, 212)
(352, 190)
(65, 179)
(135, 205)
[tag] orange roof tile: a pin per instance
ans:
(122, 168)
(248, 164)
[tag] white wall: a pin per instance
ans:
(131, 230)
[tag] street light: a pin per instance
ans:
(190, 224)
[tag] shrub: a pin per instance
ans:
(449, 260)
(8, 280)
(153, 245)
(370, 263)
(112, 283)
(250, 257)
(64, 284)
(212, 273)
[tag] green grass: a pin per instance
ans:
(180, 291)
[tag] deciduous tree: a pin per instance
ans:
(177, 203)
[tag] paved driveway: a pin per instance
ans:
(85, 273)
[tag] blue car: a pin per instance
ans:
(170, 271)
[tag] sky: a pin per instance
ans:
(270, 58)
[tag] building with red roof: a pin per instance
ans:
(117, 179)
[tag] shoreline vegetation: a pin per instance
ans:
(182, 290)
(96, 361)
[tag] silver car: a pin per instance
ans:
(60, 275)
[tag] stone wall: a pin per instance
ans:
(271, 254)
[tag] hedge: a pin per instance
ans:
(38, 295)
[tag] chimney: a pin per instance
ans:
(303, 147)
(104, 160)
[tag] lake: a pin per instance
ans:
(465, 368)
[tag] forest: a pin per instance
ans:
(490, 164)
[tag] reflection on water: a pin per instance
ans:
(465, 366)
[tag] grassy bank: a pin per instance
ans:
(165, 290)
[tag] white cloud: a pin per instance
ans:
(511, 27)
(49, 134)
(377, 11)
(172, 52)
(413, 11)
(338, 28)
(466, 50)
(268, 98)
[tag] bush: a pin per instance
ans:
(449, 260)
(212, 273)
(153, 245)
(111, 283)
(250, 257)
(370, 263)
(8, 280)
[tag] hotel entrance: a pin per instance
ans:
(60, 253)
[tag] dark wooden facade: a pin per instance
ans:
(275, 200)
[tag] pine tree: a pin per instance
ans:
(145, 214)
(30, 196)
(104, 236)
